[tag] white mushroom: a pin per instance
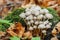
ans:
(31, 21)
(44, 17)
(28, 13)
(30, 17)
(40, 16)
(42, 26)
(42, 11)
(49, 16)
(22, 15)
(27, 18)
(35, 18)
(43, 31)
(28, 23)
(37, 8)
(46, 22)
(27, 9)
(48, 26)
(33, 7)
(34, 26)
(41, 22)
(37, 22)
(30, 28)
(36, 13)
(45, 10)
(50, 23)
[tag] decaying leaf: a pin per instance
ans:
(54, 38)
(28, 34)
(56, 29)
(16, 30)
(2, 33)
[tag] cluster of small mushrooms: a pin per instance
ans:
(37, 17)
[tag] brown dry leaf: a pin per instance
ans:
(2, 33)
(16, 30)
(55, 31)
(11, 33)
(28, 34)
(58, 26)
(20, 28)
(58, 1)
(44, 3)
(11, 27)
(2, 2)
(54, 38)
(58, 9)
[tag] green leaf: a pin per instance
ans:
(4, 21)
(4, 24)
(2, 28)
(14, 38)
(36, 38)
